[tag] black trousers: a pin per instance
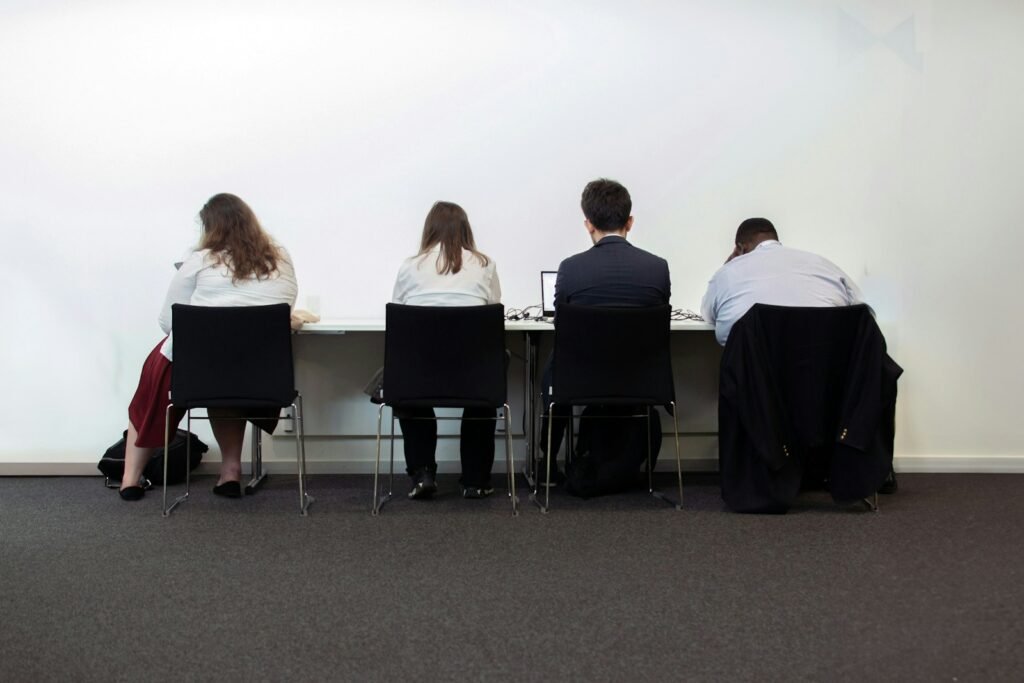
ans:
(476, 445)
(563, 414)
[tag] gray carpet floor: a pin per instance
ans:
(930, 588)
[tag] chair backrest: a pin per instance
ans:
(238, 356)
(795, 383)
(445, 356)
(612, 355)
(808, 353)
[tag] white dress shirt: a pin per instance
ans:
(419, 283)
(200, 281)
(774, 274)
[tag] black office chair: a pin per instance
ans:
(236, 357)
(807, 399)
(444, 357)
(613, 356)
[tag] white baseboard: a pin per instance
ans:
(907, 464)
(959, 464)
(79, 469)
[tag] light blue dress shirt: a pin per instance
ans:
(774, 274)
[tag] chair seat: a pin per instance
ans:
(606, 401)
(442, 403)
(221, 402)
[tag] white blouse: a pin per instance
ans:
(419, 283)
(200, 281)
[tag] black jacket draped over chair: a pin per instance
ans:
(807, 397)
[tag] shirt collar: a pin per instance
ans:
(611, 239)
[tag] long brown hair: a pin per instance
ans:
(235, 238)
(448, 225)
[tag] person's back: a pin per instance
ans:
(236, 264)
(214, 285)
(611, 273)
(762, 270)
(448, 271)
(420, 284)
(206, 278)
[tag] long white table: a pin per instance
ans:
(342, 326)
(331, 376)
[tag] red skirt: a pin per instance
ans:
(148, 409)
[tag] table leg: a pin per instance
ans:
(531, 341)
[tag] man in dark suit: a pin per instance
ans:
(611, 273)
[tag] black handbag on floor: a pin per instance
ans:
(112, 462)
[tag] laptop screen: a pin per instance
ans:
(547, 291)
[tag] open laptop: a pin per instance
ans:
(547, 292)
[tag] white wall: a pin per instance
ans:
(884, 134)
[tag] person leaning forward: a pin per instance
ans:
(760, 270)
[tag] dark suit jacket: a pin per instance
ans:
(804, 391)
(613, 273)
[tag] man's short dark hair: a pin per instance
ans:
(753, 227)
(606, 204)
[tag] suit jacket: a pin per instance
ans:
(613, 273)
(804, 391)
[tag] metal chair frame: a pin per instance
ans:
(545, 507)
(380, 500)
(305, 500)
(584, 381)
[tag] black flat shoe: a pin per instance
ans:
(229, 489)
(132, 493)
(423, 485)
(557, 477)
(477, 491)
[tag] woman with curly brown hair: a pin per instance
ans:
(235, 264)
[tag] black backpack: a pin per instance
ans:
(112, 462)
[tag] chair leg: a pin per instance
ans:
(530, 467)
(650, 470)
(167, 439)
(378, 502)
(258, 476)
(510, 464)
(570, 444)
(529, 397)
(188, 459)
(872, 502)
(391, 467)
(679, 460)
(188, 454)
(305, 500)
(547, 465)
(679, 463)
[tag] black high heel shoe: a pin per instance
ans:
(132, 493)
(229, 489)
